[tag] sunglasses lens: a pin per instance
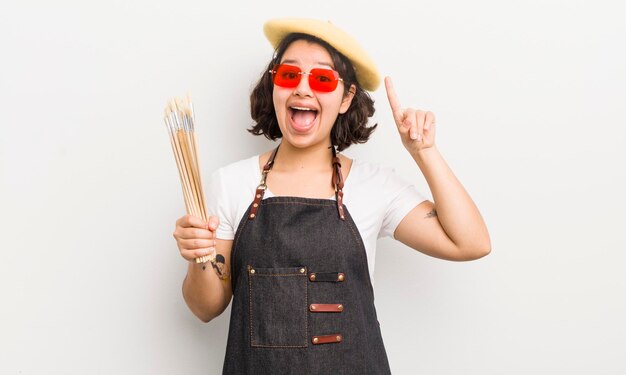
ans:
(324, 80)
(286, 75)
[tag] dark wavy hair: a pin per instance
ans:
(349, 128)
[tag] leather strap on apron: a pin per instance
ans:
(260, 190)
(337, 183)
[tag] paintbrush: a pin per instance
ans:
(180, 122)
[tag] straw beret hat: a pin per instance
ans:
(366, 72)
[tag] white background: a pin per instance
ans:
(530, 100)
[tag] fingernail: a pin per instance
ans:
(413, 135)
(419, 137)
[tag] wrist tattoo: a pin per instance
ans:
(219, 265)
(432, 213)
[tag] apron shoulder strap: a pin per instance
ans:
(338, 184)
(260, 190)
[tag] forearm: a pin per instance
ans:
(204, 292)
(455, 209)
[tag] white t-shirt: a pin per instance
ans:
(376, 197)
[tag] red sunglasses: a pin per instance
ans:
(323, 80)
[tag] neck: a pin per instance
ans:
(311, 158)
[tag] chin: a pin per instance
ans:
(304, 141)
(298, 142)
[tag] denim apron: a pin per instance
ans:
(303, 301)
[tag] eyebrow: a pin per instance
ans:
(318, 63)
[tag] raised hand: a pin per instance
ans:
(416, 127)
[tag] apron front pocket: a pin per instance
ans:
(278, 307)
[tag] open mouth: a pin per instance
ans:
(302, 118)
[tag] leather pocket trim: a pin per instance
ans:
(327, 339)
(326, 307)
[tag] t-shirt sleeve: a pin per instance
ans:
(218, 204)
(402, 198)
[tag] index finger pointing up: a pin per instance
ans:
(394, 102)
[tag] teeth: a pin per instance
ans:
(302, 109)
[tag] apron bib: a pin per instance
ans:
(303, 301)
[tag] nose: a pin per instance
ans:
(303, 89)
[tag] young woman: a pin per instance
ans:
(295, 228)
